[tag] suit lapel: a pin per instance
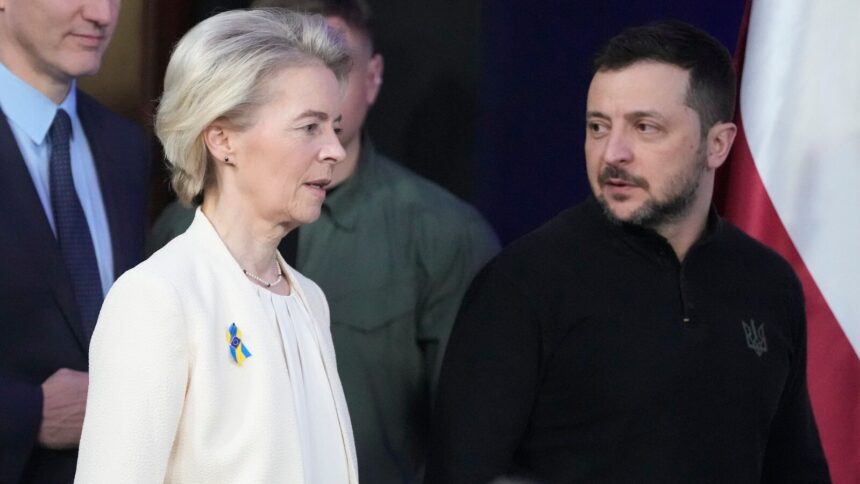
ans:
(24, 214)
(108, 170)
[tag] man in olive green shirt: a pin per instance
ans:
(394, 254)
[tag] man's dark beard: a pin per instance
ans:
(655, 213)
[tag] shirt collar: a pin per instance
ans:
(30, 110)
(344, 204)
(648, 239)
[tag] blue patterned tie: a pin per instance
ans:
(73, 233)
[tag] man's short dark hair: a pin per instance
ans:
(356, 13)
(712, 86)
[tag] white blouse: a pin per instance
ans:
(322, 447)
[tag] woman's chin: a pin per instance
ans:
(306, 216)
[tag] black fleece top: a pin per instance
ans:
(586, 352)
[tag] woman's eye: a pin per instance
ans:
(311, 128)
(338, 130)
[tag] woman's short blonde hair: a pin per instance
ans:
(219, 70)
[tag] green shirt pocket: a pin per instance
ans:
(369, 309)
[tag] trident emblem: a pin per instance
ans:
(755, 337)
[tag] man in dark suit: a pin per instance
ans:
(73, 190)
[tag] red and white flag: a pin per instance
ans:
(793, 182)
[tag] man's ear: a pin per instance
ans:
(218, 138)
(721, 136)
(375, 68)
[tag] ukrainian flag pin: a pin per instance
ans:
(238, 350)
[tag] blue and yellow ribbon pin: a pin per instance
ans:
(238, 350)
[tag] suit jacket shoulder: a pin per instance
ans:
(122, 157)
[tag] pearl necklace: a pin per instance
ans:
(260, 279)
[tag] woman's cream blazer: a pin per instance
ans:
(167, 401)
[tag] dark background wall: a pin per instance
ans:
(426, 113)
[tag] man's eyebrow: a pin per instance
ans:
(310, 113)
(629, 116)
(596, 114)
(643, 114)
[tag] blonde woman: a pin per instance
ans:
(212, 361)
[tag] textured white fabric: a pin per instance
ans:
(167, 402)
(323, 451)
